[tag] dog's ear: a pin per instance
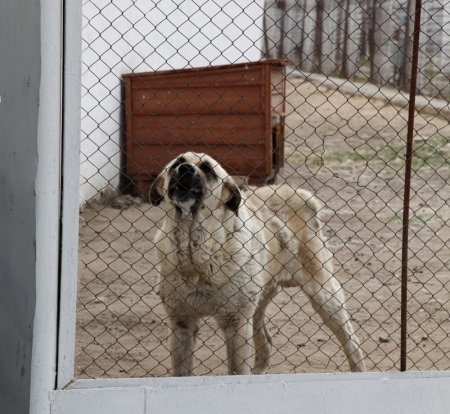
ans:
(234, 197)
(156, 193)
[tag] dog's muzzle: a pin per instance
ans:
(185, 185)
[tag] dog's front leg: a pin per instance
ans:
(261, 337)
(182, 344)
(237, 333)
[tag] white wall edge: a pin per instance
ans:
(71, 190)
(47, 199)
(194, 381)
(368, 393)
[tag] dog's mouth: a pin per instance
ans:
(185, 186)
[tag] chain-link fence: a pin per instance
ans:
(181, 286)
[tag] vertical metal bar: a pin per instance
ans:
(407, 188)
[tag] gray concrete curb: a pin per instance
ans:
(426, 105)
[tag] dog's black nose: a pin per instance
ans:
(186, 170)
(185, 184)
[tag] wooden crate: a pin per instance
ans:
(235, 113)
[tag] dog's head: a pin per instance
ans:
(193, 181)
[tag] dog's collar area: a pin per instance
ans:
(184, 207)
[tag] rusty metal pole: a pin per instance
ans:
(407, 188)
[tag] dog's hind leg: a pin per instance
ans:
(328, 299)
(182, 342)
(261, 336)
(236, 328)
(329, 303)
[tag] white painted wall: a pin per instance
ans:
(141, 35)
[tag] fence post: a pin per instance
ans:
(407, 188)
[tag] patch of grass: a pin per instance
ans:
(361, 78)
(338, 157)
(417, 220)
(432, 152)
(427, 153)
(363, 61)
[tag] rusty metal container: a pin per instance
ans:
(235, 113)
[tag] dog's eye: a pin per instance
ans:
(205, 166)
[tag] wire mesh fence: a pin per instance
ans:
(323, 138)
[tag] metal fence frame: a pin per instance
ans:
(409, 154)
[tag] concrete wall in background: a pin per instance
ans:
(19, 91)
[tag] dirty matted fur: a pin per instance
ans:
(226, 253)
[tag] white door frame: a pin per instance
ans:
(70, 153)
(57, 248)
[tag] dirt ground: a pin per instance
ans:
(350, 151)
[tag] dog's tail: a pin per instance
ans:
(304, 204)
(296, 207)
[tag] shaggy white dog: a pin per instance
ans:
(226, 253)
